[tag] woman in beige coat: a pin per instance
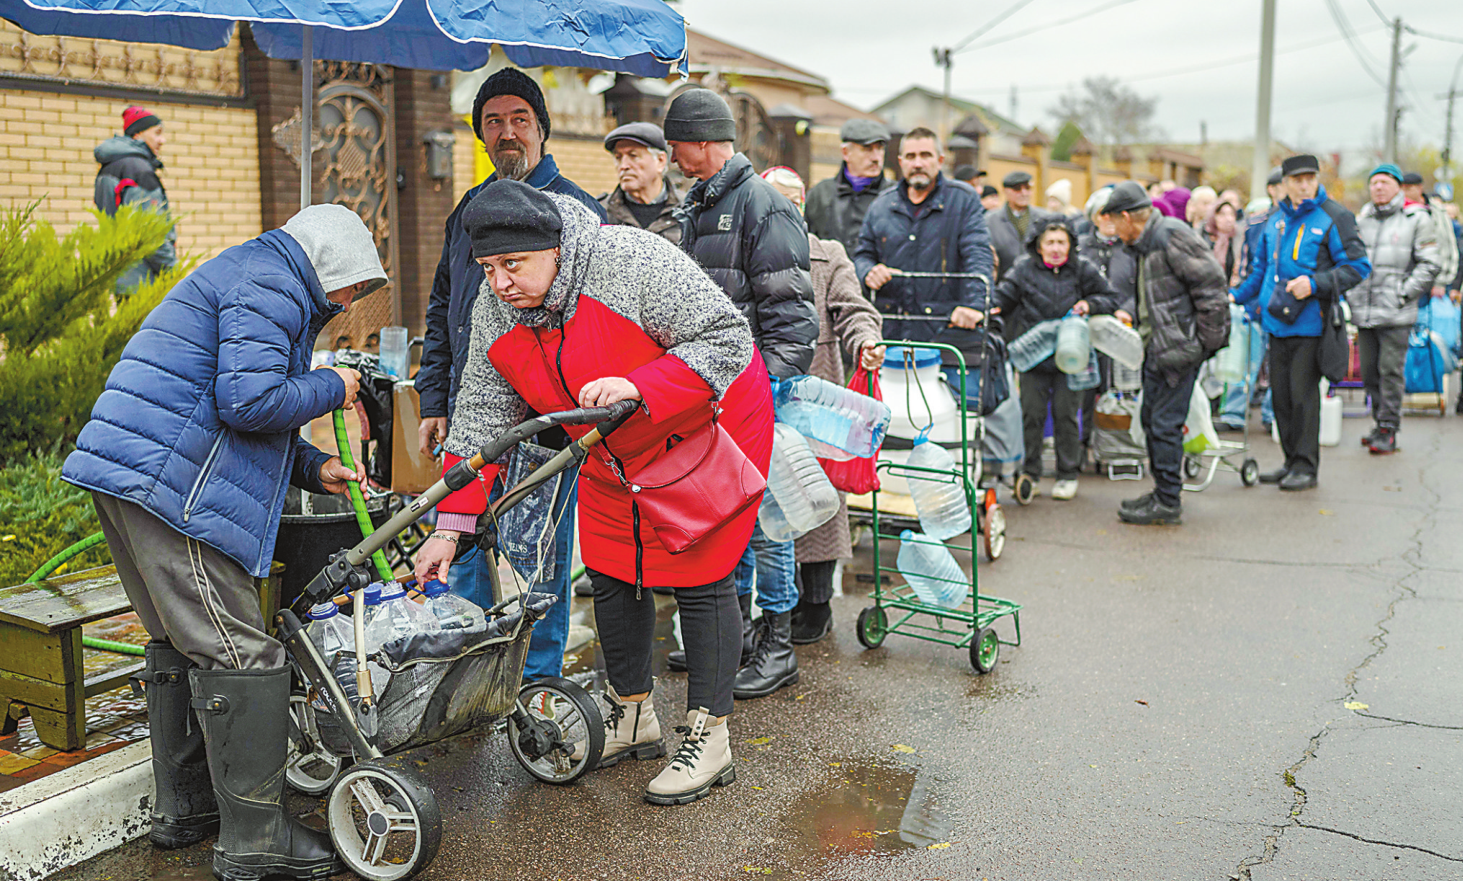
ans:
(848, 325)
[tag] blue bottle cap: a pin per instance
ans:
(435, 588)
(322, 611)
(906, 535)
(373, 593)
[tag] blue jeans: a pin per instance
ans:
(1237, 397)
(471, 577)
(773, 567)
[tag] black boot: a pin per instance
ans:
(676, 660)
(184, 811)
(1134, 504)
(811, 622)
(245, 715)
(774, 664)
(1155, 513)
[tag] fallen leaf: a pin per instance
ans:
(7, 538)
(800, 697)
(835, 764)
(1325, 513)
(756, 870)
(1144, 703)
(760, 741)
(1092, 766)
(901, 748)
(758, 788)
(1355, 705)
(941, 846)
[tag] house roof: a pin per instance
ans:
(961, 105)
(829, 111)
(706, 52)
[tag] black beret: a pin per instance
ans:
(1127, 196)
(508, 216)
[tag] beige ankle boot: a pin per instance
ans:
(631, 731)
(703, 760)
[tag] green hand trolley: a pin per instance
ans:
(970, 625)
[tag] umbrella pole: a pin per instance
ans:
(307, 111)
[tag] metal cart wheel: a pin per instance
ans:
(1192, 466)
(309, 767)
(1025, 489)
(995, 532)
(556, 732)
(985, 650)
(873, 626)
(384, 820)
(1249, 472)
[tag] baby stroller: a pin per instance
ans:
(382, 817)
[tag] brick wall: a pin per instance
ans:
(211, 168)
(423, 205)
(583, 160)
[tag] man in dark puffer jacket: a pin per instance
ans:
(752, 242)
(128, 176)
(1183, 316)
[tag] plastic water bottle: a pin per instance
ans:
(1074, 344)
(939, 500)
(1234, 359)
(373, 600)
(805, 498)
(1034, 346)
(332, 633)
(396, 617)
(1117, 340)
(393, 357)
(931, 570)
(835, 415)
(452, 611)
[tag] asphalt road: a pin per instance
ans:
(1270, 691)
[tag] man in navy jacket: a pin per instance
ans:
(188, 454)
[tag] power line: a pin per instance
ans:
(1344, 27)
(1380, 14)
(1410, 29)
(980, 32)
(1048, 26)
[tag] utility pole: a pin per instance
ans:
(1447, 155)
(1260, 164)
(1389, 151)
(944, 59)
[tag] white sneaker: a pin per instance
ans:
(703, 760)
(1064, 490)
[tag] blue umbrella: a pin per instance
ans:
(640, 37)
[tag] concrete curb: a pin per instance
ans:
(75, 814)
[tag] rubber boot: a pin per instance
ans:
(703, 760)
(774, 665)
(183, 811)
(751, 633)
(245, 715)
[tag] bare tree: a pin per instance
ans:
(1108, 112)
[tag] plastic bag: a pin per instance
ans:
(1003, 445)
(856, 475)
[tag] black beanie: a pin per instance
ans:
(507, 216)
(699, 115)
(510, 81)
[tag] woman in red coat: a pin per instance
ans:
(585, 315)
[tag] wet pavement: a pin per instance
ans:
(1269, 692)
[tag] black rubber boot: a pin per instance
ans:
(774, 665)
(245, 715)
(811, 622)
(184, 811)
(676, 660)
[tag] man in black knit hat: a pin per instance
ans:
(511, 120)
(129, 176)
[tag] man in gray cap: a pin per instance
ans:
(1008, 226)
(836, 207)
(1183, 317)
(752, 241)
(645, 197)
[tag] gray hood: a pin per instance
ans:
(120, 147)
(339, 246)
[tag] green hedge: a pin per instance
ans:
(41, 515)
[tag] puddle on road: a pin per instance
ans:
(865, 808)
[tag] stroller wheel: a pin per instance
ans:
(384, 821)
(1025, 489)
(995, 532)
(556, 731)
(309, 768)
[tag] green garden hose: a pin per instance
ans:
(55, 563)
(358, 501)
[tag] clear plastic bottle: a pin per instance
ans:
(1034, 346)
(1074, 344)
(943, 510)
(835, 415)
(396, 617)
(1111, 337)
(931, 570)
(329, 630)
(805, 497)
(452, 611)
(373, 600)
(1233, 361)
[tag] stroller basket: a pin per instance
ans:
(443, 683)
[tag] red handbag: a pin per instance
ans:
(697, 485)
(856, 475)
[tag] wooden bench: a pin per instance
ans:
(41, 666)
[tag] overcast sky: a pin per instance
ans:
(1198, 57)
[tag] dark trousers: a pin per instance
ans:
(1295, 381)
(815, 581)
(1165, 408)
(1037, 388)
(711, 629)
(1383, 353)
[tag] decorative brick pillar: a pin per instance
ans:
(1037, 146)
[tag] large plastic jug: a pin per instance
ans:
(940, 501)
(1034, 346)
(331, 631)
(452, 611)
(805, 498)
(835, 415)
(917, 395)
(394, 351)
(1074, 344)
(1330, 417)
(395, 617)
(931, 570)
(1116, 340)
(1233, 361)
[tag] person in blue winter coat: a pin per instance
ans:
(188, 453)
(512, 121)
(1309, 255)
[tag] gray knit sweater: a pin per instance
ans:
(637, 275)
